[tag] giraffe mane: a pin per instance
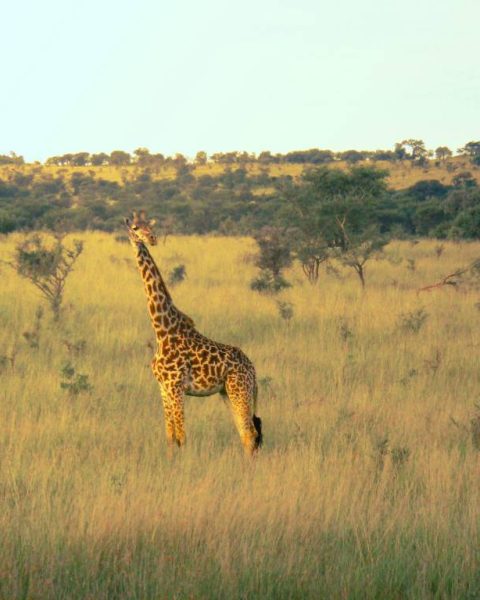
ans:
(186, 319)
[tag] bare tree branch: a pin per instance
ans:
(448, 279)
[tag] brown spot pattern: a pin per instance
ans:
(188, 363)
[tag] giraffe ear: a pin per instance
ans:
(152, 222)
(126, 220)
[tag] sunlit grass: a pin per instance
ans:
(367, 485)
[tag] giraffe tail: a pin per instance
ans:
(257, 421)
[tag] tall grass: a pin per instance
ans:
(367, 485)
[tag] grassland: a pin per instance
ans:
(402, 174)
(367, 486)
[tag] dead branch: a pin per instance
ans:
(445, 281)
(449, 279)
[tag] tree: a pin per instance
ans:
(352, 156)
(464, 179)
(314, 156)
(334, 214)
(399, 151)
(80, 159)
(265, 157)
(66, 159)
(224, 158)
(53, 160)
(47, 267)
(274, 256)
(429, 218)
(11, 159)
(467, 224)
(355, 250)
(201, 158)
(244, 158)
(158, 158)
(418, 152)
(179, 161)
(442, 153)
(99, 159)
(120, 158)
(472, 150)
(311, 251)
(427, 188)
(142, 156)
(383, 155)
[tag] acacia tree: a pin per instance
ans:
(472, 150)
(418, 152)
(443, 152)
(334, 213)
(357, 250)
(311, 251)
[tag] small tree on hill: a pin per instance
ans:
(443, 152)
(47, 267)
(418, 152)
(201, 158)
(99, 159)
(120, 158)
(80, 159)
(472, 149)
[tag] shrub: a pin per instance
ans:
(75, 383)
(177, 275)
(413, 321)
(285, 310)
(274, 256)
(47, 267)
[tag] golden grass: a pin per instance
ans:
(365, 487)
(401, 175)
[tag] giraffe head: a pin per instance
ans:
(140, 229)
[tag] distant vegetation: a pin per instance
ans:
(423, 192)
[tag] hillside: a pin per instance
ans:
(402, 174)
(439, 199)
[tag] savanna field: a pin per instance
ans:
(368, 482)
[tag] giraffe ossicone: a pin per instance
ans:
(186, 362)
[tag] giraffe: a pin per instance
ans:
(186, 362)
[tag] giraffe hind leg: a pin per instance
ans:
(169, 419)
(176, 401)
(249, 426)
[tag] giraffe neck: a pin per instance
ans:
(163, 314)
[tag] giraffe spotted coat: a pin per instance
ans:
(188, 363)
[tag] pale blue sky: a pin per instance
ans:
(251, 75)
